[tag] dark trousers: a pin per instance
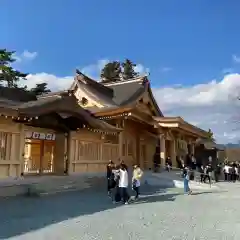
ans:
(136, 189)
(216, 176)
(124, 194)
(229, 177)
(207, 177)
(108, 185)
(225, 176)
(202, 178)
(233, 177)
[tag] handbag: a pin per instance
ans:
(134, 183)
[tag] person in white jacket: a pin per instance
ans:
(123, 183)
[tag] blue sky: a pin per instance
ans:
(196, 39)
(188, 43)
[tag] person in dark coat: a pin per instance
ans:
(168, 164)
(109, 175)
(217, 172)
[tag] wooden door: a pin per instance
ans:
(48, 156)
(32, 157)
(168, 148)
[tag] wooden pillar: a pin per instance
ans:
(162, 150)
(59, 153)
(21, 149)
(11, 152)
(120, 145)
(120, 139)
(173, 152)
(41, 156)
(69, 153)
(101, 148)
(139, 159)
(193, 148)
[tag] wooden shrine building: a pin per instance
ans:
(81, 129)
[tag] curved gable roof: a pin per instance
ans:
(115, 94)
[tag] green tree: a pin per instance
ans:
(9, 75)
(111, 72)
(40, 89)
(210, 135)
(128, 70)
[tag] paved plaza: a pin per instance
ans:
(160, 214)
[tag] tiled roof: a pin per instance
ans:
(16, 94)
(62, 103)
(114, 94)
(127, 92)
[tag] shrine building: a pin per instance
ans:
(80, 129)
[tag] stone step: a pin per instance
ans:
(53, 187)
(13, 190)
(50, 185)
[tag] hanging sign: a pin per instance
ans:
(40, 135)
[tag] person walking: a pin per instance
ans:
(202, 176)
(136, 180)
(123, 183)
(186, 177)
(109, 176)
(117, 195)
(226, 171)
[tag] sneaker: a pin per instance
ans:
(126, 203)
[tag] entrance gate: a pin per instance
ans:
(38, 156)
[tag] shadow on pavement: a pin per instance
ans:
(21, 215)
(157, 198)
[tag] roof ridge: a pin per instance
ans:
(87, 80)
(131, 80)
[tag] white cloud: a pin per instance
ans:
(29, 55)
(55, 83)
(25, 56)
(212, 105)
(94, 70)
(236, 58)
(141, 69)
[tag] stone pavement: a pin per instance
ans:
(159, 214)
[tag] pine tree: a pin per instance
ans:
(40, 89)
(7, 74)
(111, 72)
(128, 68)
(210, 135)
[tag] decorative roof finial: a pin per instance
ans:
(78, 72)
